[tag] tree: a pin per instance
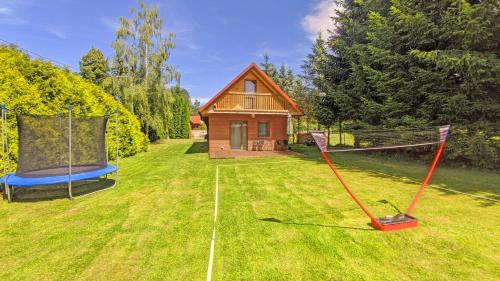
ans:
(195, 107)
(330, 102)
(411, 63)
(181, 109)
(94, 66)
(269, 68)
(36, 87)
(141, 70)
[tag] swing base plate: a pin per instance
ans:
(397, 222)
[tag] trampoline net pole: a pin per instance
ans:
(117, 141)
(5, 151)
(3, 140)
(69, 153)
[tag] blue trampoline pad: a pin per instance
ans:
(14, 180)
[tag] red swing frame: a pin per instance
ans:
(320, 141)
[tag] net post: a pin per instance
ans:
(321, 143)
(117, 141)
(5, 151)
(70, 191)
(443, 131)
(365, 210)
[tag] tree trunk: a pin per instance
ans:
(328, 141)
(340, 131)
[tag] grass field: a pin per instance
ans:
(284, 218)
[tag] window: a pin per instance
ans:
(250, 86)
(263, 129)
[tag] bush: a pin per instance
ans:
(473, 147)
(29, 86)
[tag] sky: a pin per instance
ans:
(215, 40)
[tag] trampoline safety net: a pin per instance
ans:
(43, 145)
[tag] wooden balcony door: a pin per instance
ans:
(238, 135)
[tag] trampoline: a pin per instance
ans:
(57, 150)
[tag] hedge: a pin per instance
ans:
(36, 87)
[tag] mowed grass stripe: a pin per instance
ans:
(341, 253)
(152, 226)
(157, 223)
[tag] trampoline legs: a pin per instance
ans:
(7, 190)
(70, 191)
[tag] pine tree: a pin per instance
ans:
(94, 66)
(417, 63)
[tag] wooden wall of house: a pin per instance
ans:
(260, 86)
(219, 130)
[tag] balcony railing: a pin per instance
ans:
(239, 101)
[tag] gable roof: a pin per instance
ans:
(264, 77)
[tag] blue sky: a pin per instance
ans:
(215, 39)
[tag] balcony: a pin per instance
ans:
(251, 102)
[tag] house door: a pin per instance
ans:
(239, 135)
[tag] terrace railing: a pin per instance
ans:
(241, 101)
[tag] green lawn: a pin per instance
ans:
(284, 218)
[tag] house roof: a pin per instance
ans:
(264, 77)
(195, 120)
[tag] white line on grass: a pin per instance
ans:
(212, 243)
(253, 163)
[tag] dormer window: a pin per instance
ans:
(250, 86)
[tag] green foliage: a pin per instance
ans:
(195, 107)
(181, 109)
(410, 63)
(94, 66)
(36, 87)
(140, 71)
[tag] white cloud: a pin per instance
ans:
(190, 44)
(7, 15)
(109, 23)
(5, 11)
(319, 19)
(57, 32)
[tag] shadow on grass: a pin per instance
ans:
(59, 191)
(197, 147)
(470, 181)
(275, 220)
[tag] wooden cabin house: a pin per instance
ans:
(251, 113)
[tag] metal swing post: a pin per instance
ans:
(70, 191)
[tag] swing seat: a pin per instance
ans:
(397, 222)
